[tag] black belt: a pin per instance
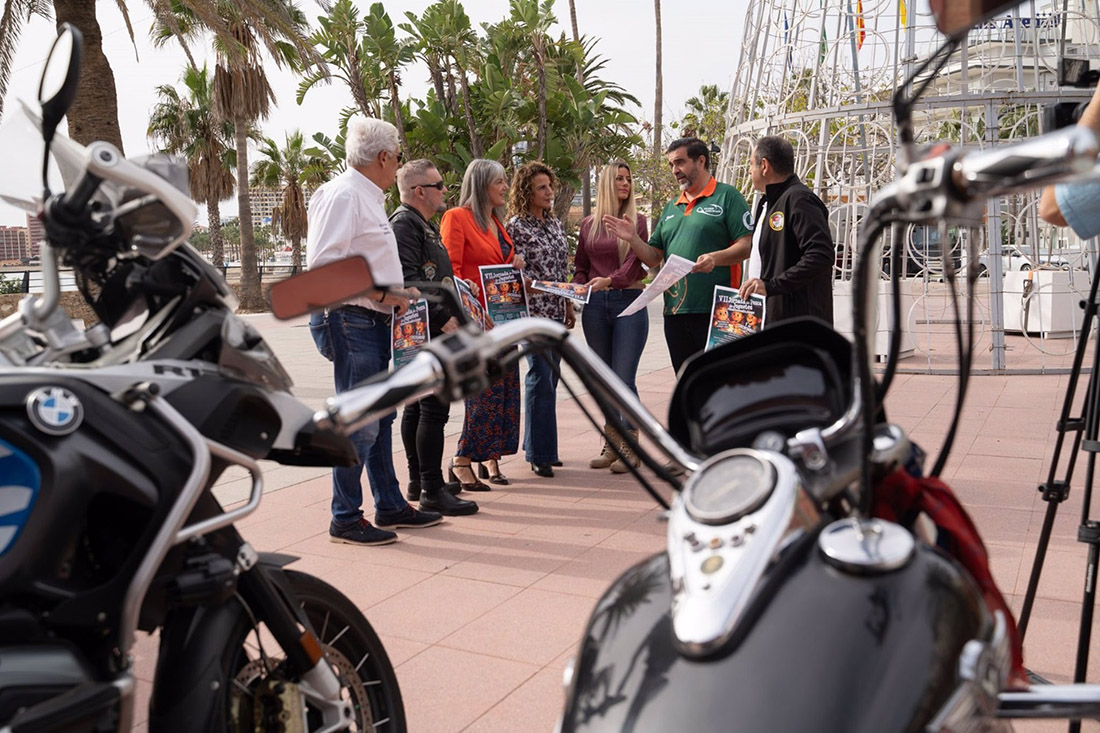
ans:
(368, 312)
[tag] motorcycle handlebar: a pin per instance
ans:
(1030, 163)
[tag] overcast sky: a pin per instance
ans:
(700, 47)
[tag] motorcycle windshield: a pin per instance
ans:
(21, 146)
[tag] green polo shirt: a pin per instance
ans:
(710, 222)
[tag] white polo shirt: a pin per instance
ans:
(347, 216)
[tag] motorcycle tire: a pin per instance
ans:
(253, 665)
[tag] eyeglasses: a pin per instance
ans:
(399, 155)
(438, 185)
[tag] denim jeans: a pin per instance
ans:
(540, 435)
(618, 341)
(358, 345)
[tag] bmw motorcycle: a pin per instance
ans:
(814, 578)
(111, 439)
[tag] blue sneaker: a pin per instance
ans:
(359, 533)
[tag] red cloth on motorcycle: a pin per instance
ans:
(900, 497)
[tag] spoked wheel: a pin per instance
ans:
(264, 696)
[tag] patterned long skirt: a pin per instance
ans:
(491, 426)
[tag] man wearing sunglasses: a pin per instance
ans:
(425, 259)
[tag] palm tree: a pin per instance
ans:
(706, 116)
(446, 28)
(532, 20)
(389, 54)
(242, 93)
(658, 103)
(186, 125)
(289, 169)
(16, 13)
(340, 38)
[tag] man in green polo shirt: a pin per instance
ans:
(709, 224)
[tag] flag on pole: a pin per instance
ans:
(786, 41)
(904, 15)
(860, 25)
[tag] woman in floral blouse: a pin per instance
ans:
(540, 238)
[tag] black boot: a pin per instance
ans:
(412, 492)
(438, 498)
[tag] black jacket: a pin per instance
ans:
(796, 253)
(423, 257)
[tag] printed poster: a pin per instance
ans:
(470, 304)
(732, 318)
(573, 291)
(505, 296)
(674, 269)
(410, 332)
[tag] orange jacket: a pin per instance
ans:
(470, 246)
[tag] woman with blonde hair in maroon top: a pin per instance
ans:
(608, 265)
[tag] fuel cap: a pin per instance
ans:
(866, 546)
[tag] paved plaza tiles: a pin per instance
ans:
(480, 614)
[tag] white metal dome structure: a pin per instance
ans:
(823, 72)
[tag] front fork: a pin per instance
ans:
(190, 685)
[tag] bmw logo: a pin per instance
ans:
(55, 410)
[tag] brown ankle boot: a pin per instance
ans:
(607, 455)
(620, 466)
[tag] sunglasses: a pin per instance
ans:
(438, 185)
(399, 155)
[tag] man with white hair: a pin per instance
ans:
(347, 217)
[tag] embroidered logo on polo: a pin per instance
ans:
(746, 220)
(55, 410)
(775, 221)
(714, 210)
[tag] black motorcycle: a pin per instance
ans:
(815, 579)
(111, 439)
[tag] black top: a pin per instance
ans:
(423, 257)
(797, 253)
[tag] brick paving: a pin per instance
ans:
(481, 613)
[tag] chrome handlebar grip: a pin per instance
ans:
(1031, 163)
(351, 410)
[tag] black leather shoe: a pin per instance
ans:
(474, 485)
(412, 490)
(407, 518)
(543, 469)
(557, 464)
(442, 501)
(494, 478)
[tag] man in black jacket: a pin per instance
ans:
(424, 258)
(792, 251)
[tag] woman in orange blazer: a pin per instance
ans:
(474, 236)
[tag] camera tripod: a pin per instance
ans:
(1085, 431)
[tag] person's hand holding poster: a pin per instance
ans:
(573, 291)
(410, 332)
(675, 268)
(470, 304)
(505, 294)
(732, 318)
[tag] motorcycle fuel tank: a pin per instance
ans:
(820, 649)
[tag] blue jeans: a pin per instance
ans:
(540, 435)
(618, 341)
(358, 345)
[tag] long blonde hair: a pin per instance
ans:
(607, 202)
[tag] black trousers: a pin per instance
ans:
(685, 335)
(422, 434)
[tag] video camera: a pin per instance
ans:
(1072, 72)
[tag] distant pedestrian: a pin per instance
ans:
(793, 252)
(347, 217)
(424, 258)
(609, 266)
(474, 236)
(539, 237)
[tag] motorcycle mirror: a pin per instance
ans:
(955, 17)
(321, 287)
(57, 88)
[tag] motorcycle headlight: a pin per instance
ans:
(729, 488)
